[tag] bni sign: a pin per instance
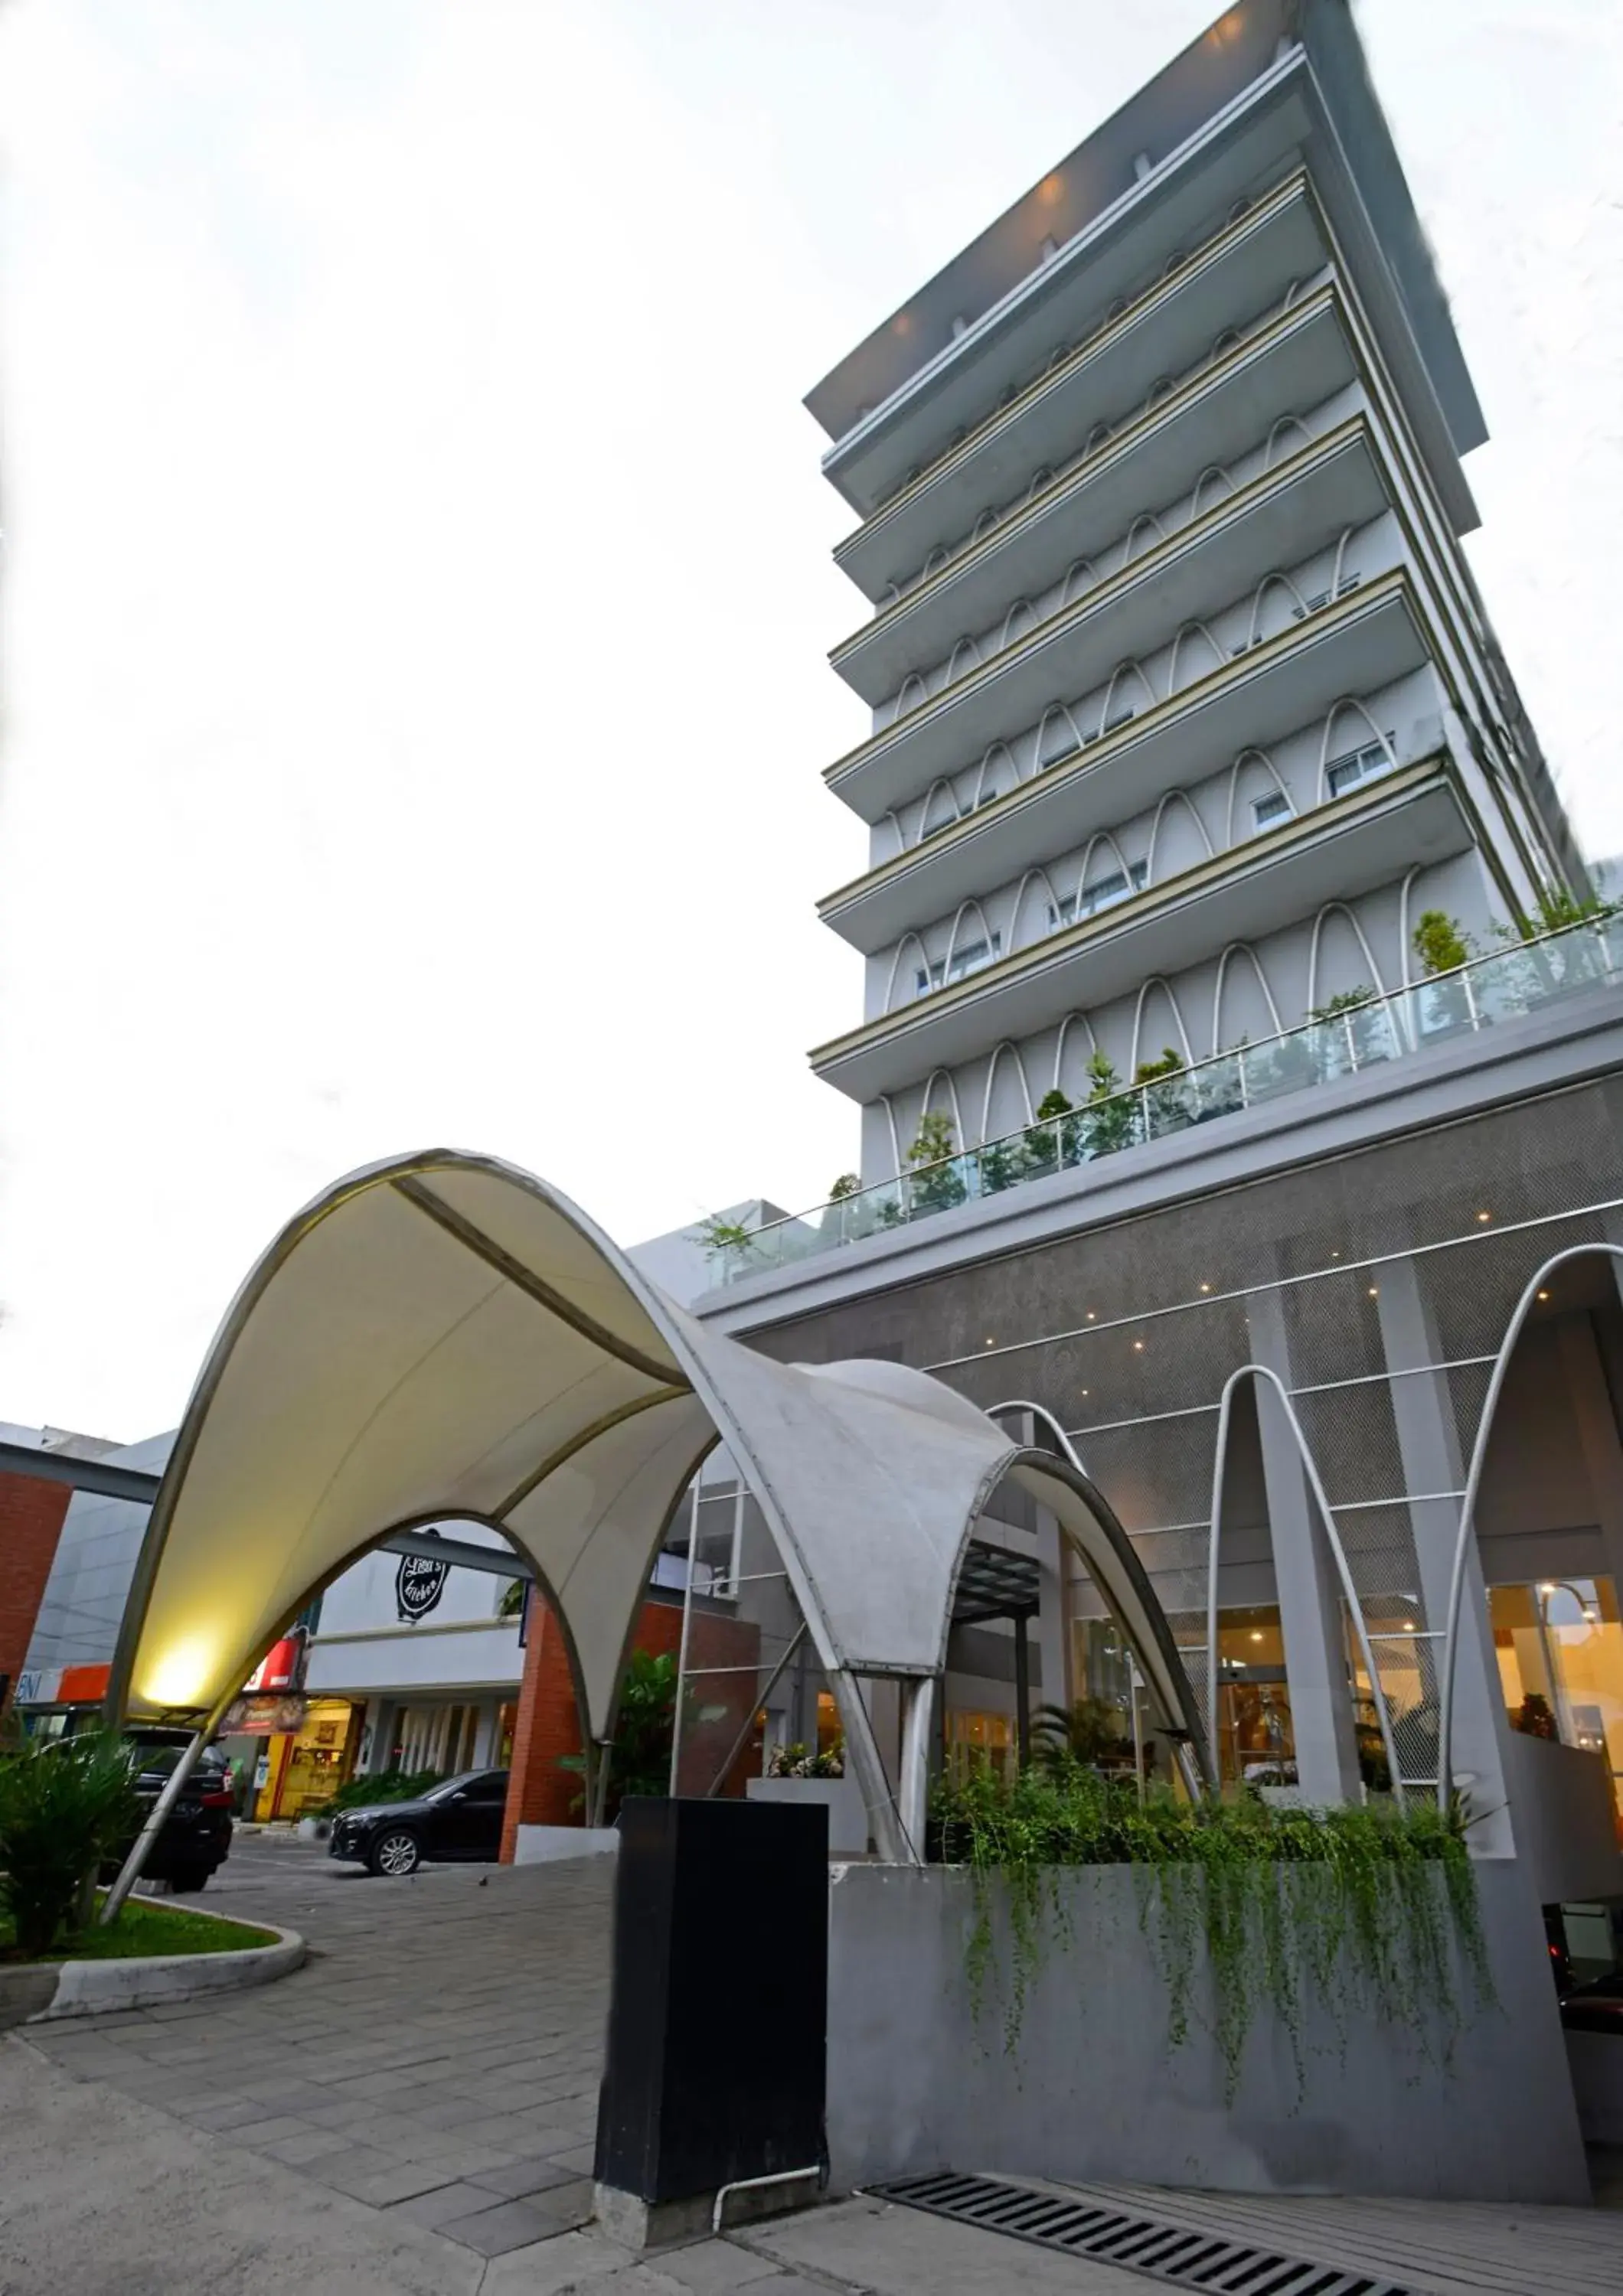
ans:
(418, 1585)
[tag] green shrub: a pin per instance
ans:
(385, 1785)
(67, 1805)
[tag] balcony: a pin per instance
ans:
(1408, 819)
(1223, 411)
(1215, 562)
(1356, 644)
(1580, 961)
(1230, 282)
(897, 398)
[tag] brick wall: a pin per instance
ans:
(541, 1793)
(31, 1513)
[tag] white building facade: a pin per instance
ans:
(1185, 708)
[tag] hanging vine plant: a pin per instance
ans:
(1341, 1909)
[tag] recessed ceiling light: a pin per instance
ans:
(1206, 1287)
(1543, 1295)
(992, 1343)
(1256, 1633)
(1484, 1216)
(1374, 1291)
(1138, 1347)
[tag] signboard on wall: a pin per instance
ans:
(418, 1585)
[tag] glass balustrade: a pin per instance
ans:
(1519, 979)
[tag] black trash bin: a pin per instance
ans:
(718, 2018)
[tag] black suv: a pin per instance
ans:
(459, 1818)
(196, 1836)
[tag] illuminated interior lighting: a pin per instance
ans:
(1483, 1217)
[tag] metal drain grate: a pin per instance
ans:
(1168, 2251)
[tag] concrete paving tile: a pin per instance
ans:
(294, 2151)
(432, 2210)
(710, 2268)
(272, 2128)
(520, 2178)
(573, 2265)
(403, 2180)
(226, 2113)
(514, 2223)
(581, 2157)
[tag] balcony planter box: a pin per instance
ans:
(841, 1798)
(920, 2077)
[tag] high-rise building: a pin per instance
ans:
(1186, 710)
(1223, 921)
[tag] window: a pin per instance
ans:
(1344, 773)
(1103, 893)
(1271, 808)
(969, 957)
(1322, 597)
(1118, 717)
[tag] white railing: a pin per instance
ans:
(1519, 980)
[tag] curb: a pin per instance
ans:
(89, 1988)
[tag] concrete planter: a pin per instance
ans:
(44, 1990)
(841, 1798)
(1092, 2090)
(547, 1845)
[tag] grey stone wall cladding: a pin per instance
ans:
(1524, 1162)
(1092, 2090)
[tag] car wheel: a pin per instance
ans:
(188, 1878)
(395, 1852)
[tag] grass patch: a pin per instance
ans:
(146, 1928)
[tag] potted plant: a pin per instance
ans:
(1443, 948)
(937, 1182)
(1112, 1113)
(812, 1774)
(1167, 1107)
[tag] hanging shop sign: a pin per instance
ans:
(279, 1669)
(262, 1717)
(418, 1585)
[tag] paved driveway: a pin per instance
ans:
(439, 2055)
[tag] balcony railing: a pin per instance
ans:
(1519, 979)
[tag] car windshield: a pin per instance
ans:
(156, 1762)
(450, 1786)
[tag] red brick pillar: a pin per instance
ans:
(540, 1793)
(31, 1513)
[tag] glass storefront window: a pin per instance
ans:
(975, 1737)
(1255, 1741)
(1559, 1642)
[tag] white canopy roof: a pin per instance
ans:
(445, 1336)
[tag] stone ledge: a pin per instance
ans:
(37, 1993)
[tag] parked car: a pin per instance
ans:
(458, 1820)
(195, 1841)
(1592, 2006)
(1596, 2007)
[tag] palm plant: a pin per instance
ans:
(66, 1806)
(1088, 1732)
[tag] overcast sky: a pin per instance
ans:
(417, 579)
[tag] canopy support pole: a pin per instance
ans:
(890, 1837)
(917, 1716)
(130, 1872)
(756, 1703)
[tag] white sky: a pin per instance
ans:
(418, 580)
